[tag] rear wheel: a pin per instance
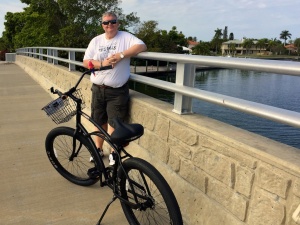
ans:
(156, 201)
(72, 165)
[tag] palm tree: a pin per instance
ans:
(217, 40)
(262, 43)
(218, 33)
(272, 44)
(297, 44)
(232, 48)
(248, 43)
(285, 35)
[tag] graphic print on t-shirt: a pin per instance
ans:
(108, 50)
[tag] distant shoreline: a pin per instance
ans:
(277, 57)
(163, 69)
(172, 68)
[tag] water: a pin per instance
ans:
(271, 89)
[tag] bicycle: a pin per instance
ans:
(144, 194)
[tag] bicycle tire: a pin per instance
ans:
(161, 206)
(59, 145)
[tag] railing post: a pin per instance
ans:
(71, 58)
(54, 51)
(41, 53)
(49, 53)
(34, 51)
(185, 75)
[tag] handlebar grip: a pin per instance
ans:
(73, 89)
(56, 91)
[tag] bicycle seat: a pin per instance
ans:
(125, 133)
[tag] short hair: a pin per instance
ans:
(109, 14)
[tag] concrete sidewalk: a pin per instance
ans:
(31, 191)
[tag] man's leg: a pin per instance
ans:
(98, 140)
(110, 129)
(117, 106)
(111, 158)
(98, 114)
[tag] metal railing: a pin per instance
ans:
(185, 76)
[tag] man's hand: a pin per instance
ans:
(113, 59)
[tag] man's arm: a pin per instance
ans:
(134, 50)
(98, 64)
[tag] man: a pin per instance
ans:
(110, 91)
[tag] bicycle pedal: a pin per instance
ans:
(93, 173)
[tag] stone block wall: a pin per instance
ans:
(220, 174)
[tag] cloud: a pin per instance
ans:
(199, 18)
(11, 6)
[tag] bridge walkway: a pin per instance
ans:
(31, 191)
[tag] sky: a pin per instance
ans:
(198, 18)
(9, 6)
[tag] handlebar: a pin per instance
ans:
(73, 89)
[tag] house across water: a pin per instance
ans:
(238, 47)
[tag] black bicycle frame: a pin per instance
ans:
(80, 129)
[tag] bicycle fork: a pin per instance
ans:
(74, 152)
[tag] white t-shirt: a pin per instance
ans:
(100, 48)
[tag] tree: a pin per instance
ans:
(231, 36)
(232, 48)
(247, 43)
(177, 38)
(40, 28)
(65, 23)
(262, 43)
(297, 44)
(218, 34)
(14, 24)
(160, 40)
(202, 48)
(3, 49)
(127, 21)
(149, 33)
(272, 45)
(192, 38)
(217, 39)
(285, 35)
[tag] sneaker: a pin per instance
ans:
(101, 154)
(111, 159)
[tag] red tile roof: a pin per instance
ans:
(192, 42)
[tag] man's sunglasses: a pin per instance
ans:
(109, 21)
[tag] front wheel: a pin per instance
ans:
(70, 155)
(153, 201)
